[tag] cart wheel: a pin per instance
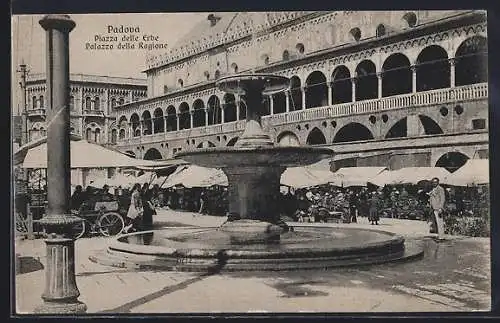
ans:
(110, 224)
(78, 230)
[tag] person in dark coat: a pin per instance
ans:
(374, 204)
(77, 198)
(149, 210)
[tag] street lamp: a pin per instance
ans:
(61, 293)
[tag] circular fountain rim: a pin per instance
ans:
(166, 251)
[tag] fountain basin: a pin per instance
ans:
(210, 249)
(266, 156)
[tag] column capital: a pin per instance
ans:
(452, 61)
(413, 68)
(60, 22)
(354, 80)
(380, 74)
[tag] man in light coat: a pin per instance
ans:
(437, 199)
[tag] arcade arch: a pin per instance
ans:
(433, 68)
(171, 118)
(288, 138)
(341, 85)
(152, 154)
(452, 160)
(316, 137)
(471, 61)
(397, 75)
(366, 81)
(316, 90)
(353, 131)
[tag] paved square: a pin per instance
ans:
(452, 276)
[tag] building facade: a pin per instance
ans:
(381, 88)
(91, 102)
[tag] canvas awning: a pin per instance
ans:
(409, 175)
(83, 155)
(196, 176)
(357, 176)
(474, 172)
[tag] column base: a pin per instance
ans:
(73, 307)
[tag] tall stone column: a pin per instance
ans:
(271, 105)
(353, 89)
(223, 113)
(238, 102)
(330, 93)
(304, 90)
(178, 121)
(452, 72)
(287, 94)
(206, 116)
(413, 79)
(379, 83)
(61, 293)
(141, 125)
(191, 119)
(165, 124)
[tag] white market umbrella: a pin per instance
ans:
(125, 181)
(358, 176)
(197, 176)
(474, 172)
(409, 175)
(84, 155)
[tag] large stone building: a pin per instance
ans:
(92, 98)
(386, 88)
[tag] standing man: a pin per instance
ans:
(437, 199)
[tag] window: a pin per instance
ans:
(217, 74)
(478, 124)
(41, 102)
(33, 102)
(410, 18)
(88, 103)
(113, 102)
(165, 89)
(355, 33)
(286, 55)
(180, 82)
(300, 48)
(88, 134)
(97, 135)
(380, 30)
(121, 101)
(97, 103)
(72, 102)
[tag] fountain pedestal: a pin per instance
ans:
(253, 197)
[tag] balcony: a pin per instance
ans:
(440, 96)
(36, 113)
(94, 113)
(420, 99)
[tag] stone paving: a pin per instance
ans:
(452, 276)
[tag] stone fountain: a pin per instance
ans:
(254, 166)
(254, 237)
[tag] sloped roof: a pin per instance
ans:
(228, 27)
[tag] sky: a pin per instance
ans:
(28, 43)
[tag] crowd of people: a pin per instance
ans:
(316, 204)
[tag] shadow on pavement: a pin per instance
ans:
(27, 265)
(125, 308)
